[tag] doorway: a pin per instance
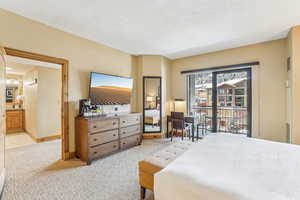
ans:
(222, 100)
(65, 154)
(33, 102)
(232, 101)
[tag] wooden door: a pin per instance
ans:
(2, 116)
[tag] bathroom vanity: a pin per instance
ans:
(15, 120)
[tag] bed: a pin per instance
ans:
(229, 167)
(152, 117)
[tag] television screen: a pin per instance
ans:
(108, 89)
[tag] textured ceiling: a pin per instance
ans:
(173, 28)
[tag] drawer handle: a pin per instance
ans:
(95, 139)
(114, 123)
(95, 152)
(114, 134)
(123, 121)
(115, 146)
(94, 126)
(124, 142)
(124, 132)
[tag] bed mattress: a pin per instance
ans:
(229, 167)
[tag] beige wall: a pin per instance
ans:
(42, 102)
(272, 73)
(293, 76)
(166, 92)
(149, 65)
(154, 65)
(289, 74)
(49, 102)
(136, 85)
(84, 55)
(30, 103)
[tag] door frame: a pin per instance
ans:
(160, 124)
(249, 97)
(65, 152)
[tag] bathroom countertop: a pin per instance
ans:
(14, 109)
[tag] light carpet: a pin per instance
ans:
(35, 172)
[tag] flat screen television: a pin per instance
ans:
(109, 89)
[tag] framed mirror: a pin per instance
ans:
(152, 104)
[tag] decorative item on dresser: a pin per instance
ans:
(102, 135)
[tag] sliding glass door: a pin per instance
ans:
(221, 100)
(200, 98)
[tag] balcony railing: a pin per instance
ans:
(229, 119)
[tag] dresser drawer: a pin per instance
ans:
(102, 150)
(130, 141)
(129, 120)
(103, 125)
(131, 130)
(103, 137)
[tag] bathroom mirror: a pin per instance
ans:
(152, 104)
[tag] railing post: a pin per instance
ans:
(214, 102)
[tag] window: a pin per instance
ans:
(221, 91)
(229, 98)
(209, 91)
(203, 101)
(239, 101)
(221, 98)
(199, 93)
(239, 91)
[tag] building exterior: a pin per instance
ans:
(232, 93)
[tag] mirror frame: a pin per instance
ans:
(144, 98)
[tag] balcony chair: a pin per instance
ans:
(178, 123)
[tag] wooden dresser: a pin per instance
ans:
(99, 136)
(14, 120)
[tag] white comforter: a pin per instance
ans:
(227, 167)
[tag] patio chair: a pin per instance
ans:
(178, 123)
